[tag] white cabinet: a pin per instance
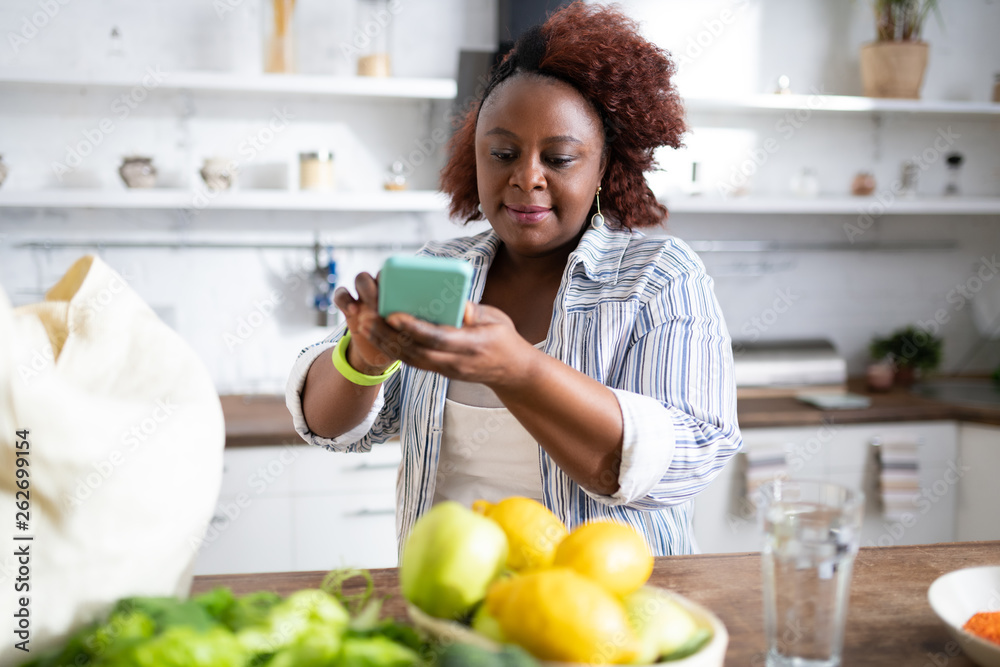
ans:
(300, 507)
(725, 521)
(979, 489)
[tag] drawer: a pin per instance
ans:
(335, 531)
(247, 534)
(807, 450)
(937, 441)
(319, 471)
(258, 471)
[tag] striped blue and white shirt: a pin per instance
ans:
(636, 313)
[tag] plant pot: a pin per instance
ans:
(880, 376)
(893, 69)
(905, 376)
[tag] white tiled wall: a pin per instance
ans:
(210, 295)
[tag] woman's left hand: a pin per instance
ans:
(486, 349)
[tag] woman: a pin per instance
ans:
(593, 370)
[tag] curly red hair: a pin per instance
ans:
(599, 51)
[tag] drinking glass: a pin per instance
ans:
(811, 534)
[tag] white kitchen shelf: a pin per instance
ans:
(411, 201)
(226, 82)
(836, 205)
(839, 104)
(425, 201)
(446, 89)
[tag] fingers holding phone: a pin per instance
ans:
(366, 326)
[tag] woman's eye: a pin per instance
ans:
(560, 160)
(502, 155)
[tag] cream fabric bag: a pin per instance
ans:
(125, 439)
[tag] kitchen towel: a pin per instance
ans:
(763, 462)
(120, 431)
(899, 478)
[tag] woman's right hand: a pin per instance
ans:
(362, 317)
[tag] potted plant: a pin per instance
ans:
(908, 350)
(894, 64)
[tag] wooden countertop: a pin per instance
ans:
(253, 420)
(896, 405)
(260, 419)
(889, 620)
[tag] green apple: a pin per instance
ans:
(450, 558)
(666, 630)
(487, 626)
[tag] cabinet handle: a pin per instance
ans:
(376, 466)
(878, 441)
(368, 512)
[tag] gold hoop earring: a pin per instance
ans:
(597, 220)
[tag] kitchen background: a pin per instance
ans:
(247, 311)
(85, 84)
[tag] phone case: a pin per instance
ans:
(431, 288)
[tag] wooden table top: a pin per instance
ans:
(889, 620)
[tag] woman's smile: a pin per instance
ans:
(527, 214)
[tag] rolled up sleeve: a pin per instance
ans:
(677, 394)
(647, 448)
(352, 441)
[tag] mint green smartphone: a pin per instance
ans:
(431, 288)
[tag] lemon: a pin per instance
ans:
(557, 614)
(533, 532)
(612, 554)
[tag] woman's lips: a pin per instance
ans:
(527, 213)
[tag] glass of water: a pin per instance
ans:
(811, 534)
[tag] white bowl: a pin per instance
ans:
(712, 654)
(956, 596)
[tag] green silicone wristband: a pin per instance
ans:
(344, 367)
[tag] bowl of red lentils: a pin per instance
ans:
(968, 602)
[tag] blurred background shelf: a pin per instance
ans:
(840, 104)
(275, 200)
(432, 201)
(228, 82)
(843, 205)
(446, 89)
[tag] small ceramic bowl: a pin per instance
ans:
(712, 654)
(956, 596)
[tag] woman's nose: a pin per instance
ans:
(528, 174)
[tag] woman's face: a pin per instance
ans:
(539, 147)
